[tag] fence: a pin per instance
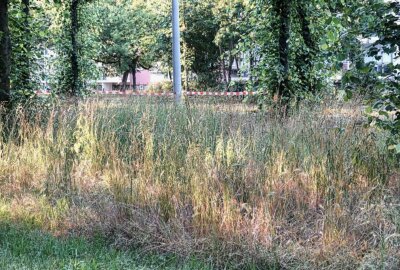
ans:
(144, 93)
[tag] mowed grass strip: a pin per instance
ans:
(24, 248)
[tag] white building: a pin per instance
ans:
(144, 78)
(384, 59)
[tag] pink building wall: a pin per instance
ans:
(142, 77)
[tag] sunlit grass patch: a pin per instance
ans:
(223, 183)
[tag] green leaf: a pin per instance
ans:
(384, 113)
(398, 149)
(348, 96)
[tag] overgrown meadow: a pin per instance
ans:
(219, 182)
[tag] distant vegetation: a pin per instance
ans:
(287, 50)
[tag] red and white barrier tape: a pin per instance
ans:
(139, 93)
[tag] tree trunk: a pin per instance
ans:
(223, 67)
(231, 61)
(133, 71)
(74, 47)
(230, 66)
(125, 80)
(251, 66)
(185, 49)
(26, 61)
(307, 56)
(283, 10)
(5, 52)
(186, 70)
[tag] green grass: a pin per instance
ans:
(25, 248)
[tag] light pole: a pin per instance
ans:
(176, 51)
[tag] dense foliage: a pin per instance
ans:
(385, 110)
(287, 50)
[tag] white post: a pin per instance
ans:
(176, 51)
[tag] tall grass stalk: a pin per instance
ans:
(209, 180)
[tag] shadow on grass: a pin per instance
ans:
(22, 247)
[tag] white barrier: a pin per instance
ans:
(143, 93)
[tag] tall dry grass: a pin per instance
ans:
(218, 181)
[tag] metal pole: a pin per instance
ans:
(176, 51)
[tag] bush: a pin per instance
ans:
(238, 86)
(167, 86)
(161, 87)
